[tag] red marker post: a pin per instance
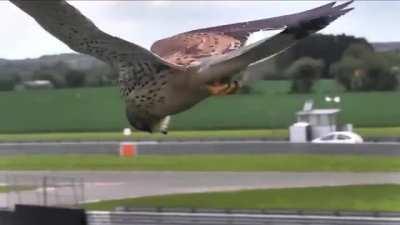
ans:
(127, 149)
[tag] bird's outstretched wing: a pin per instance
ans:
(223, 48)
(306, 23)
(71, 27)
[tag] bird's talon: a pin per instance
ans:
(219, 89)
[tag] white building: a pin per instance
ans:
(322, 121)
(34, 85)
(313, 123)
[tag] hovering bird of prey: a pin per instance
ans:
(181, 70)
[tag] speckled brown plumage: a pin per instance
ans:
(186, 49)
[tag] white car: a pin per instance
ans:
(340, 137)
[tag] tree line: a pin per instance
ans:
(359, 69)
(351, 61)
(61, 75)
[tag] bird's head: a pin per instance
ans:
(148, 123)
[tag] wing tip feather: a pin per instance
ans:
(344, 5)
(341, 10)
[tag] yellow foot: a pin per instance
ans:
(223, 89)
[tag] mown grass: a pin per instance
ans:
(359, 198)
(265, 162)
(269, 107)
(5, 189)
(141, 136)
(379, 131)
(269, 134)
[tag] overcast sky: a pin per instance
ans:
(147, 21)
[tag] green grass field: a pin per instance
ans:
(360, 198)
(265, 162)
(269, 107)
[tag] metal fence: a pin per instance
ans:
(43, 191)
(199, 217)
(171, 218)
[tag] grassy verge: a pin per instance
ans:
(363, 197)
(379, 132)
(274, 134)
(4, 189)
(270, 162)
(174, 135)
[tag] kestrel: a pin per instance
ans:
(182, 70)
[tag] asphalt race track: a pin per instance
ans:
(200, 147)
(116, 185)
